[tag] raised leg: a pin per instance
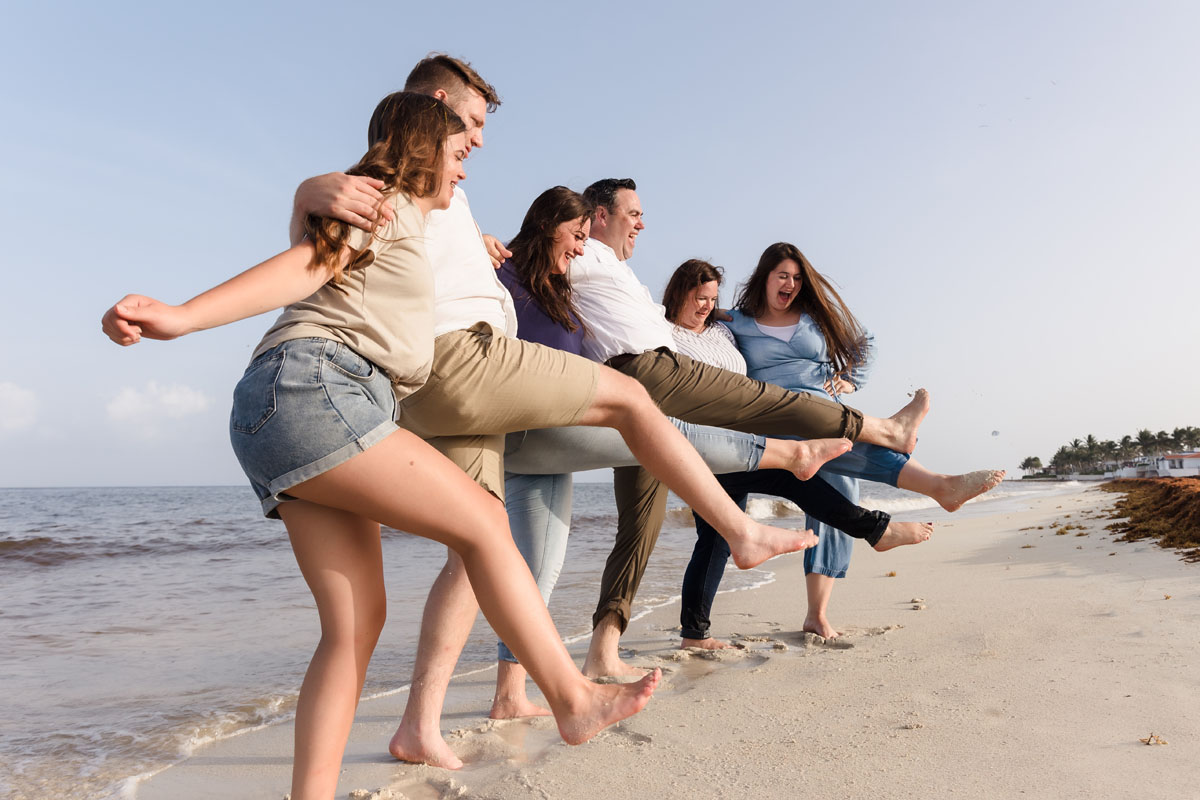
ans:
(623, 404)
(950, 491)
(403, 483)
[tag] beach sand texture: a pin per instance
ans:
(1004, 658)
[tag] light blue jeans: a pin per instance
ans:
(538, 483)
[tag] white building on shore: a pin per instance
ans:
(1172, 465)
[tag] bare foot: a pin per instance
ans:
(902, 533)
(515, 708)
(707, 644)
(612, 667)
(761, 542)
(605, 704)
(907, 420)
(812, 454)
(429, 748)
(958, 489)
(821, 627)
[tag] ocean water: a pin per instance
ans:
(140, 623)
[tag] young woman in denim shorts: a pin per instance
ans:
(312, 425)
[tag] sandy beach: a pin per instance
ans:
(1004, 658)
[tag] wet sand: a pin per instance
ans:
(1004, 658)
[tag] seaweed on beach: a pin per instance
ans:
(1167, 509)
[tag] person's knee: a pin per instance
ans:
(626, 394)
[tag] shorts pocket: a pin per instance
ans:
(254, 396)
(349, 363)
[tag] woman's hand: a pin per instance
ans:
(839, 385)
(136, 316)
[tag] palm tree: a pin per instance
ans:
(1128, 447)
(1031, 464)
(1110, 451)
(1146, 442)
(1164, 441)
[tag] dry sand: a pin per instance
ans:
(1001, 660)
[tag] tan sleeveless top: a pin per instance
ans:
(383, 310)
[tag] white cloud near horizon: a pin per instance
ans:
(18, 407)
(155, 402)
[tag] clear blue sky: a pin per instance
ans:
(1006, 193)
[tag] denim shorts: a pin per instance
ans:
(302, 408)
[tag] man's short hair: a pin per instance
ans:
(604, 192)
(451, 75)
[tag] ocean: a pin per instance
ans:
(140, 623)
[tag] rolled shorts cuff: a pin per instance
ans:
(279, 486)
(832, 573)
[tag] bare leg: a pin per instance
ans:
(511, 701)
(446, 623)
(951, 491)
(804, 457)
(603, 656)
(899, 431)
(403, 483)
(622, 403)
(339, 556)
(819, 587)
(902, 533)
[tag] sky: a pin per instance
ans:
(1005, 194)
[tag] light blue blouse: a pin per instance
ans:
(801, 364)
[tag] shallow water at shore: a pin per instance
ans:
(142, 622)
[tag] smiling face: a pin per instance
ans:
(455, 152)
(783, 286)
(624, 223)
(568, 242)
(699, 303)
(472, 108)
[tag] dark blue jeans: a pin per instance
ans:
(702, 577)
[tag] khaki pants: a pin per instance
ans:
(483, 385)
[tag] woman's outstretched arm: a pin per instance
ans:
(276, 282)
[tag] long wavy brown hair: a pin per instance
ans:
(691, 274)
(844, 336)
(406, 143)
(533, 252)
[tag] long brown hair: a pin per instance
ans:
(691, 274)
(406, 141)
(533, 252)
(844, 336)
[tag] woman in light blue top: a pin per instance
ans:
(794, 330)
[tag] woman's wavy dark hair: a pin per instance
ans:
(533, 252)
(844, 336)
(406, 142)
(691, 274)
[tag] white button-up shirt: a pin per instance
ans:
(616, 308)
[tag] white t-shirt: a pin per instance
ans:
(714, 345)
(466, 289)
(783, 333)
(617, 310)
